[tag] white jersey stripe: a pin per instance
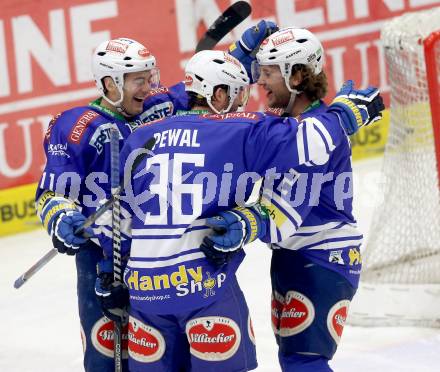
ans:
(292, 213)
(327, 237)
(164, 248)
(340, 244)
(163, 263)
(326, 226)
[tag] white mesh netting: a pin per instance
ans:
(403, 249)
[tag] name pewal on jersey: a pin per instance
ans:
(202, 164)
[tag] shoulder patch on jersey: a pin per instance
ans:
(50, 126)
(158, 111)
(232, 115)
(81, 125)
(157, 91)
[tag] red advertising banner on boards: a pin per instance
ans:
(45, 50)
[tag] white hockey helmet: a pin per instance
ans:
(117, 57)
(288, 47)
(210, 68)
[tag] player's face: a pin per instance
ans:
(273, 83)
(241, 100)
(137, 85)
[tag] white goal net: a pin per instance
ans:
(400, 283)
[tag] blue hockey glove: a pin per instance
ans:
(232, 230)
(245, 48)
(63, 228)
(357, 107)
(113, 297)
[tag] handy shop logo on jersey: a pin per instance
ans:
(184, 280)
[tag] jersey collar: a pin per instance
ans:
(96, 104)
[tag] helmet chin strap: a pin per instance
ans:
(118, 104)
(293, 94)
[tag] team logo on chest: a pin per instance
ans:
(213, 338)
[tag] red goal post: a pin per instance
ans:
(431, 47)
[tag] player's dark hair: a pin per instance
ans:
(314, 86)
(197, 100)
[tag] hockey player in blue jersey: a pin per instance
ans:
(186, 313)
(316, 258)
(76, 173)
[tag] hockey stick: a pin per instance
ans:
(225, 23)
(89, 222)
(116, 241)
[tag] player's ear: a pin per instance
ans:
(295, 79)
(220, 95)
(109, 84)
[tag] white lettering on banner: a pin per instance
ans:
(287, 15)
(336, 55)
(84, 40)
(49, 100)
(362, 9)
(52, 58)
(189, 14)
(383, 81)
(337, 12)
(416, 3)
(362, 48)
(4, 166)
(51, 54)
(44, 121)
(5, 169)
(4, 80)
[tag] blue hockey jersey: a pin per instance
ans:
(77, 148)
(202, 164)
(311, 210)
